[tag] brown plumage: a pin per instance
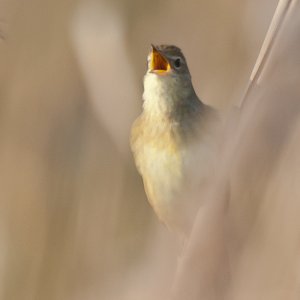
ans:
(173, 139)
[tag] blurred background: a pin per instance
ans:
(74, 219)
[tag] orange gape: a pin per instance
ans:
(158, 63)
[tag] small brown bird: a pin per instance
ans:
(173, 140)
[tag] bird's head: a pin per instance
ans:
(167, 60)
(167, 82)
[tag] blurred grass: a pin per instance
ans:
(75, 223)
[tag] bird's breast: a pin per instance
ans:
(158, 155)
(173, 168)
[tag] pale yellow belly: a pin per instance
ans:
(172, 171)
(173, 181)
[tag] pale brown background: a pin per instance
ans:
(74, 220)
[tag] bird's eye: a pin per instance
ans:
(177, 63)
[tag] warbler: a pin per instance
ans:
(173, 140)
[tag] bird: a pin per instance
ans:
(173, 140)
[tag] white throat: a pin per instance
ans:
(162, 92)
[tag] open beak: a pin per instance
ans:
(158, 63)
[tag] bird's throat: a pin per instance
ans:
(160, 95)
(168, 97)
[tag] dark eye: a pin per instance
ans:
(177, 63)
